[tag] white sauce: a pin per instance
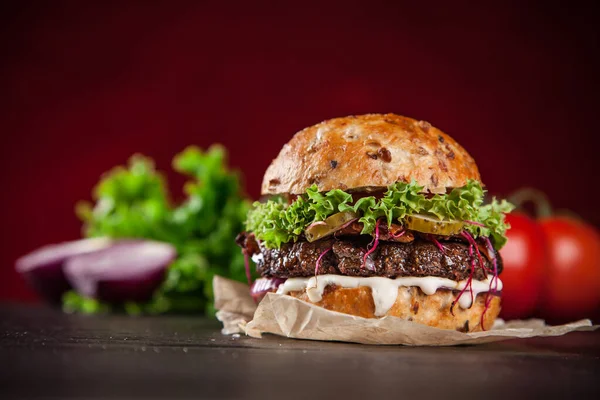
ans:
(258, 258)
(385, 290)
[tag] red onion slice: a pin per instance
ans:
(317, 223)
(262, 286)
(43, 268)
(130, 270)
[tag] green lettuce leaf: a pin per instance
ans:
(399, 200)
(274, 222)
(492, 216)
(327, 204)
(133, 202)
(460, 204)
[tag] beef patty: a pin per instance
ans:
(391, 259)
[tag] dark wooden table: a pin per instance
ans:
(47, 354)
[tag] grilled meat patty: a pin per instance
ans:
(391, 259)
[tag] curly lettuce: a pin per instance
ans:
(274, 222)
(133, 202)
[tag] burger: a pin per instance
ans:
(379, 216)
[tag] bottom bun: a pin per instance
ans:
(412, 305)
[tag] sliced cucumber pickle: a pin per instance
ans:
(427, 224)
(331, 224)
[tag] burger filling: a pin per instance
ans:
(401, 235)
(419, 257)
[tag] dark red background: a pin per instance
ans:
(85, 86)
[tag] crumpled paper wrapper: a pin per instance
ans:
(287, 316)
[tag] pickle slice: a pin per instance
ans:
(427, 224)
(330, 225)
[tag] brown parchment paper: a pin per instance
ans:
(287, 316)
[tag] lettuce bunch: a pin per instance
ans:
(275, 222)
(133, 202)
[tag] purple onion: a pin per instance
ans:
(262, 286)
(129, 270)
(317, 223)
(43, 268)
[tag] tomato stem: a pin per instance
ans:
(539, 200)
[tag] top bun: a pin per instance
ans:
(369, 152)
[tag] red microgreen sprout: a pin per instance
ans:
(493, 281)
(397, 235)
(318, 263)
(247, 266)
(347, 224)
(469, 282)
(373, 247)
(473, 243)
(438, 244)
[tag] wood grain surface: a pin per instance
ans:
(47, 354)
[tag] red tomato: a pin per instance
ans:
(524, 257)
(572, 279)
